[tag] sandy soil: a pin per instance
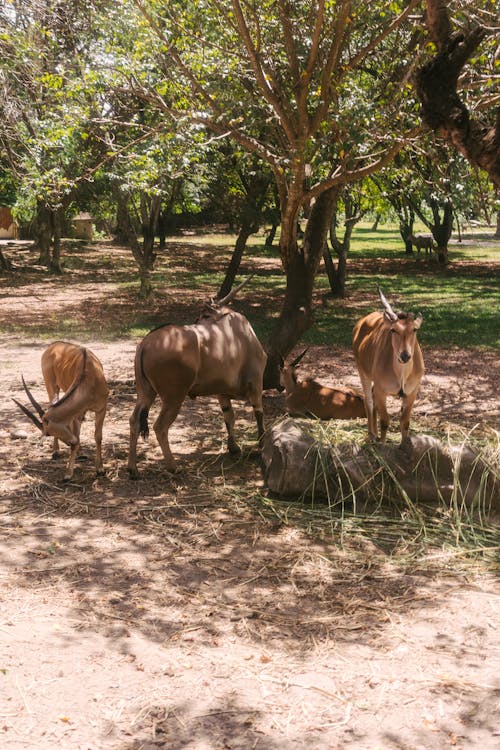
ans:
(176, 612)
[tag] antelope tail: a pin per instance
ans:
(143, 423)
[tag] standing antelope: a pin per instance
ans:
(78, 372)
(308, 397)
(218, 355)
(389, 361)
(422, 242)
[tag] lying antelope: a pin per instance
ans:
(310, 398)
(422, 242)
(389, 361)
(76, 371)
(218, 355)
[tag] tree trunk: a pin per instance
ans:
(162, 230)
(301, 268)
(330, 269)
(146, 288)
(405, 229)
(338, 288)
(441, 230)
(42, 231)
(247, 228)
(271, 235)
(337, 275)
(497, 233)
(124, 232)
(55, 265)
(5, 264)
(375, 223)
(295, 318)
(459, 228)
(150, 209)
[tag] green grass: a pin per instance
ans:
(461, 311)
(460, 303)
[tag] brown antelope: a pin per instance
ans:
(219, 355)
(78, 372)
(310, 398)
(422, 242)
(389, 361)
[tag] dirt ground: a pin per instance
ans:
(176, 612)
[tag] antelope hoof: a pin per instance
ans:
(101, 472)
(233, 448)
(171, 464)
(56, 454)
(406, 443)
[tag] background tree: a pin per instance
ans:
(43, 115)
(352, 204)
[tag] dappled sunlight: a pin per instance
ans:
(192, 609)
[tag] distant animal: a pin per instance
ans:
(310, 398)
(218, 355)
(390, 362)
(422, 242)
(79, 373)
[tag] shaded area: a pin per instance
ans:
(183, 611)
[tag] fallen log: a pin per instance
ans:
(423, 470)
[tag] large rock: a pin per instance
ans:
(296, 463)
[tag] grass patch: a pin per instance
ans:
(460, 303)
(458, 310)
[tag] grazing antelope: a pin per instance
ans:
(218, 355)
(422, 242)
(389, 361)
(78, 372)
(310, 398)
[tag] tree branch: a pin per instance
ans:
(442, 108)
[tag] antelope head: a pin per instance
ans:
(287, 371)
(403, 328)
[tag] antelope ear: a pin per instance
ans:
(418, 321)
(282, 362)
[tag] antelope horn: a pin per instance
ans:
(29, 414)
(32, 399)
(296, 361)
(232, 293)
(390, 312)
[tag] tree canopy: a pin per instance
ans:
(319, 94)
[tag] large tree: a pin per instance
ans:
(458, 86)
(315, 89)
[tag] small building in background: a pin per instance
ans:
(8, 227)
(83, 226)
